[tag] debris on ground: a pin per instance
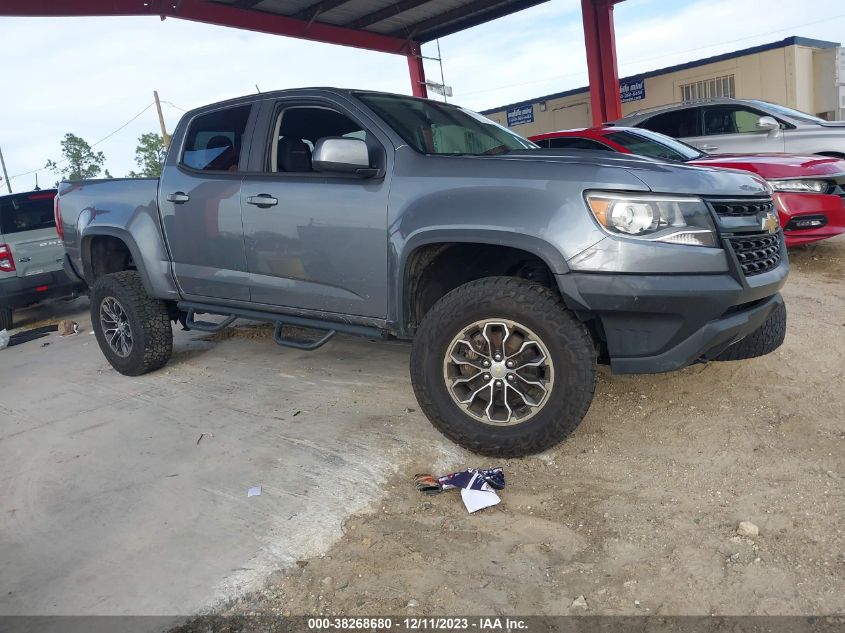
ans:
(580, 603)
(412, 604)
(747, 528)
(478, 487)
(29, 335)
(254, 491)
(68, 328)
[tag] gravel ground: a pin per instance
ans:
(637, 513)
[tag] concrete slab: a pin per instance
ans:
(110, 503)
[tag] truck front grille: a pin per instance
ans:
(757, 254)
(742, 208)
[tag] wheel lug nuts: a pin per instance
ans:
(510, 377)
(486, 376)
(486, 363)
(498, 357)
(498, 383)
(509, 364)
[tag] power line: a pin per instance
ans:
(105, 138)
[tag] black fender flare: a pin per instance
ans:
(124, 236)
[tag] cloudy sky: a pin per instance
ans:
(90, 76)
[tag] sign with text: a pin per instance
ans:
(520, 115)
(632, 90)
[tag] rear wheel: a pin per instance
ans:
(132, 328)
(502, 368)
(5, 318)
(764, 340)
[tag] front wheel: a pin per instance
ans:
(500, 367)
(132, 328)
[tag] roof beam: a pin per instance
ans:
(387, 12)
(212, 13)
(72, 8)
(313, 10)
(464, 17)
(455, 14)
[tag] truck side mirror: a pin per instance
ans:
(342, 155)
(767, 124)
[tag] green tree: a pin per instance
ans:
(80, 162)
(149, 155)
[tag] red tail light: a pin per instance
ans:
(7, 262)
(58, 215)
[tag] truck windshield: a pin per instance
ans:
(439, 128)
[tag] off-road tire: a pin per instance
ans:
(148, 319)
(764, 340)
(5, 318)
(569, 344)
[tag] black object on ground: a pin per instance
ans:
(31, 335)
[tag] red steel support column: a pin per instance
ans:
(600, 42)
(417, 71)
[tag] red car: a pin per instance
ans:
(809, 191)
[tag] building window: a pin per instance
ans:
(708, 88)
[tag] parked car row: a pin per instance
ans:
(513, 268)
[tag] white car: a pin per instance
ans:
(727, 126)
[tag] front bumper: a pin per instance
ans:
(20, 292)
(810, 205)
(659, 323)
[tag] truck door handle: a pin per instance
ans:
(263, 200)
(180, 197)
(24, 260)
(708, 148)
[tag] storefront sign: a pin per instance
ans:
(632, 90)
(520, 115)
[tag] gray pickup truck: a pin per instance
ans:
(513, 269)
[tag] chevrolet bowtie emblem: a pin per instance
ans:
(770, 223)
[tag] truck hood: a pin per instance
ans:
(658, 176)
(776, 165)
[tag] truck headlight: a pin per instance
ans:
(800, 185)
(673, 219)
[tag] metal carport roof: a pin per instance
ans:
(390, 26)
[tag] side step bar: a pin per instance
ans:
(205, 326)
(328, 328)
(298, 344)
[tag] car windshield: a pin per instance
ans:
(439, 128)
(789, 112)
(654, 145)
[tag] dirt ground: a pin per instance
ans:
(637, 512)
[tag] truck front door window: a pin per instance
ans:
(297, 130)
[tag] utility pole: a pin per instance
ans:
(5, 173)
(164, 135)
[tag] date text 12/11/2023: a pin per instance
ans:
(418, 624)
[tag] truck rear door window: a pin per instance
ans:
(26, 213)
(214, 140)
